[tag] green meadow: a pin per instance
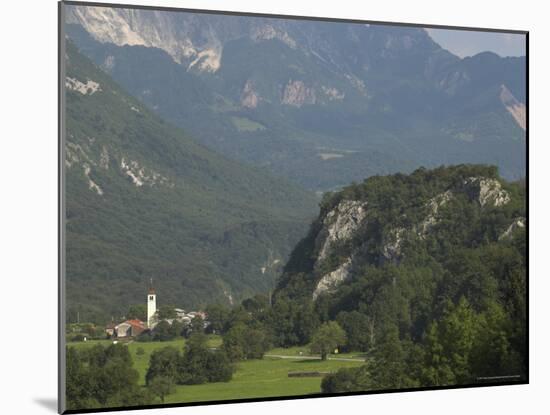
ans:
(267, 377)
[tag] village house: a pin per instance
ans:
(130, 328)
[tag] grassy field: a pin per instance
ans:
(261, 378)
(253, 379)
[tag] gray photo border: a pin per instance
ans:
(61, 402)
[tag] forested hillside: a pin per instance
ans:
(424, 272)
(143, 200)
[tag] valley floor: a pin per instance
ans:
(267, 377)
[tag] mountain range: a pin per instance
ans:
(319, 103)
(195, 143)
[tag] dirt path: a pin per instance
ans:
(343, 359)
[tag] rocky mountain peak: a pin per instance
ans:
(486, 191)
(197, 47)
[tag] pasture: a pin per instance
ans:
(267, 377)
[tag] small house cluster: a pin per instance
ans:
(134, 327)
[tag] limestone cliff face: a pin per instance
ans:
(249, 96)
(518, 223)
(433, 207)
(486, 191)
(514, 107)
(339, 226)
(333, 279)
(296, 93)
(181, 35)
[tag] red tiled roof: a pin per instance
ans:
(136, 323)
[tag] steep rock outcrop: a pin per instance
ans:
(339, 225)
(333, 279)
(140, 176)
(488, 192)
(433, 208)
(518, 223)
(181, 36)
(91, 184)
(297, 94)
(249, 96)
(88, 88)
(514, 107)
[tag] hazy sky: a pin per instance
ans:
(468, 43)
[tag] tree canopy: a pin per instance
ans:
(327, 338)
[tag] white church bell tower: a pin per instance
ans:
(151, 306)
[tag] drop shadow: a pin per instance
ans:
(48, 403)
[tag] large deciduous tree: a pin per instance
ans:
(327, 338)
(161, 386)
(243, 342)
